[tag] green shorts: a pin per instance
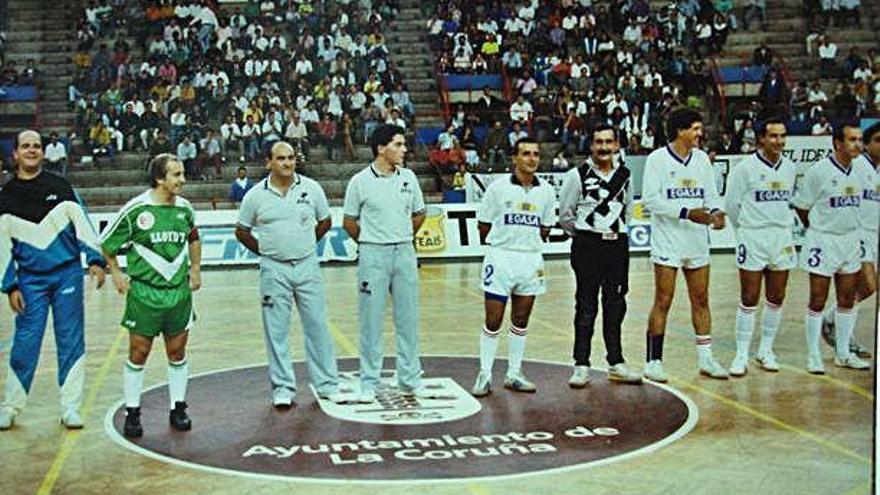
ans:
(150, 310)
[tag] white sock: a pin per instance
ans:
(704, 347)
(769, 326)
(516, 348)
(132, 383)
(745, 324)
(855, 323)
(813, 326)
(843, 327)
(828, 314)
(178, 375)
(488, 348)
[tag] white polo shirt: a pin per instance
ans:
(759, 191)
(384, 204)
(517, 213)
(833, 195)
(285, 223)
(870, 215)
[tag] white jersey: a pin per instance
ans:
(759, 191)
(833, 195)
(870, 215)
(517, 213)
(671, 185)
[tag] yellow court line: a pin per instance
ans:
(834, 381)
(774, 421)
(71, 437)
(479, 490)
(344, 342)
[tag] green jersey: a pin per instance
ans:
(157, 238)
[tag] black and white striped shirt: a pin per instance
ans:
(594, 201)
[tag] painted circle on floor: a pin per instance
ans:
(447, 436)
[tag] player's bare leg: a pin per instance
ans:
(698, 293)
(664, 290)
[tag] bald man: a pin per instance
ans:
(43, 232)
(290, 213)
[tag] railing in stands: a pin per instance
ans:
(442, 91)
(719, 87)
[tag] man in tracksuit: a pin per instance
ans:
(43, 231)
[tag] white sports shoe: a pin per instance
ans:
(815, 365)
(712, 369)
(7, 418)
(654, 371)
(367, 396)
(620, 372)
(334, 397)
(767, 361)
(72, 420)
(739, 366)
(580, 377)
(282, 397)
(851, 361)
(483, 386)
(518, 382)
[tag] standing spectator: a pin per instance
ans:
(327, 134)
(773, 91)
(827, 56)
(230, 135)
(763, 55)
(241, 184)
(56, 155)
(250, 134)
(297, 134)
(210, 153)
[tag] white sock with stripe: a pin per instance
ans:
(844, 319)
(132, 383)
(488, 349)
(769, 326)
(813, 327)
(178, 376)
(704, 347)
(745, 324)
(516, 348)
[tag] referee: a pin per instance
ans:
(594, 206)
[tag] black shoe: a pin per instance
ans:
(178, 418)
(133, 428)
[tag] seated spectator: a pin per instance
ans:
(230, 135)
(459, 179)
(210, 154)
(187, 152)
(326, 135)
(827, 58)
(56, 155)
(516, 134)
(560, 162)
(816, 99)
(347, 135)
(520, 110)
(297, 134)
(241, 184)
(100, 140)
(161, 144)
(250, 134)
(822, 127)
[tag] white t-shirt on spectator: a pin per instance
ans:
(55, 152)
(580, 70)
(828, 51)
(513, 136)
(230, 131)
(303, 67)
(862, 74)
(309, 116)
(520, 112)
(569, 22)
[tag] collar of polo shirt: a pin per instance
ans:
(514, 180)
(376, 172)
(267, 185)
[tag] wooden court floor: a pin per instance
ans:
(788, 432)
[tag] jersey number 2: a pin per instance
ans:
(488, 271)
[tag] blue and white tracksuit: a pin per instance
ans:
(43, 231)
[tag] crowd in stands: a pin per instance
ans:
(573, 63)
(184, 76)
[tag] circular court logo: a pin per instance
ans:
(446, 435)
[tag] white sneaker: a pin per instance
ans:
(620, 372)
(367, 396)
(851, 361)
(334, 397)
(580, 377)
(282, 397)
(72, 420)
(519, 383)
(767, 360)
(483, 386)
(815, 365)
(739, 366)
(654, 371)
(7, 418)
(712, 369)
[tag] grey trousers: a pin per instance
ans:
(282, 284)
(384, 268)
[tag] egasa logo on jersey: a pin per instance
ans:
(687, 189)
(443, 400)
(145, 220)
(522, 219)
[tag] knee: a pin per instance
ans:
(775, 300)
(176, 355)
(662, 302)
(701, 300)
(519, 321)
(750, 299)
(138, 356)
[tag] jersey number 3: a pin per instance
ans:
(815, 257)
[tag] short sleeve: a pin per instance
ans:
(351, 206)
(322, 206)
(118, 233)
(486, 211)
(247, 212)
(418, 199)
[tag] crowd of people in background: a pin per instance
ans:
(211, 84)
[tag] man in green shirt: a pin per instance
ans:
(157, 228)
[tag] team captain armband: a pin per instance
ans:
(193, 234)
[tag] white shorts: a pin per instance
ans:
(827, 254)
(668, 258)
(868, 248)
(771, 248)
(513, 272)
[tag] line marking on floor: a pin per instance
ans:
(72, 436)
(774, 421)
(348, 347)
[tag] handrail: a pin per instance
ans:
(442, 91)
(719, 86)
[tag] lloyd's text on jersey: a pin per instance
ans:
(167, 236)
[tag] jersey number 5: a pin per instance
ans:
(741, 254)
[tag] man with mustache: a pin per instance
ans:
(595, 205)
